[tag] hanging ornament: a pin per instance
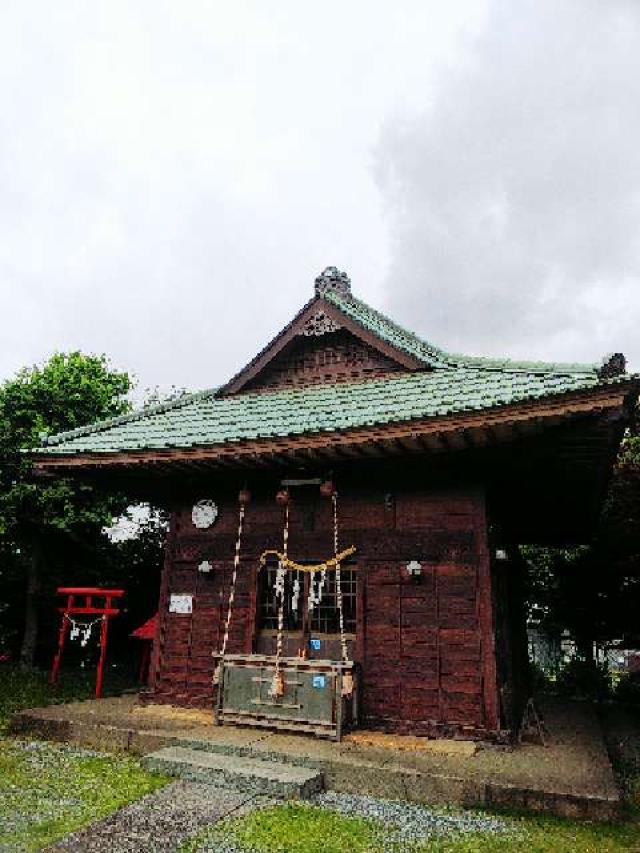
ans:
(321, 583)
(316, 592)
(204, 513)
(277, 685)
(327, 488)
(347, 684)
(86, 634)
(82, 629)
(283, 497)
(296, 595)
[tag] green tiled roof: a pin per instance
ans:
(431, 355)
(386, 329)
(207, 419)
(449, 384)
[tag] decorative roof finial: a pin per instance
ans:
(612, 366)
(332, 280)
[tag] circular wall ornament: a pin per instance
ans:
(205, 566)
(204, 513)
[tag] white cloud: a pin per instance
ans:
(514, 196)
(173, 176)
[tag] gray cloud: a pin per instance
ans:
(174, 176)
(514, 197)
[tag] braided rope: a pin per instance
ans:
(305, 567)
(277, 685)
(343, 639)
(232, 595)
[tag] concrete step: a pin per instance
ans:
(245, 774)
(251, 749)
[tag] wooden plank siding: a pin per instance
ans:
(425, 649)
(312, 361)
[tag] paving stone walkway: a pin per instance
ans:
(159, 822)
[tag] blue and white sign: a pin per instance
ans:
(319, 682)
(314, 644)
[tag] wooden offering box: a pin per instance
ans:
(312, 700)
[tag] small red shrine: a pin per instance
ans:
(345, 516)
(85, 607)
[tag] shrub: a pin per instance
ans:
(584, 679)
(628, 688)
(541, 681)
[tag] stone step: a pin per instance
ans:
(251, 749)
(245, 774)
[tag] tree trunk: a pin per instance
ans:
(34, 580)
(584, 647)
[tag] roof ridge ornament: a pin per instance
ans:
(331, 279)
(612, 365)
(319, 324)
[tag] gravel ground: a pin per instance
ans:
(407, 822)
(159, 822)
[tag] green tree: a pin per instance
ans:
(68, 391)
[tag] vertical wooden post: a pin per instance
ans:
(250, 643)
(145, 656)
(359, 650)
(486, 621)
(436, 596)
(103, 654)
(158, 640)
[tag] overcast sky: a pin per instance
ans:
(173, 176)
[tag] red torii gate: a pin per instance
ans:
(85, 608)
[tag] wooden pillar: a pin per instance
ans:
(486, 622)
(154, 668)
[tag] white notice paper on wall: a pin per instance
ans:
(181, 604)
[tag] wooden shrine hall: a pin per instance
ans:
(345, 515)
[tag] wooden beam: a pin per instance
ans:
(432, 443)
(478, 437)
(504, 431)
(456, 440)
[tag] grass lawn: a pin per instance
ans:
(20, 690)
(48, 790)
(300, 828)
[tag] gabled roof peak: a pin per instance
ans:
(332, 280)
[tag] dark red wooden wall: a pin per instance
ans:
(426, 649)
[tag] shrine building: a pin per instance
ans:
(344, 520)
